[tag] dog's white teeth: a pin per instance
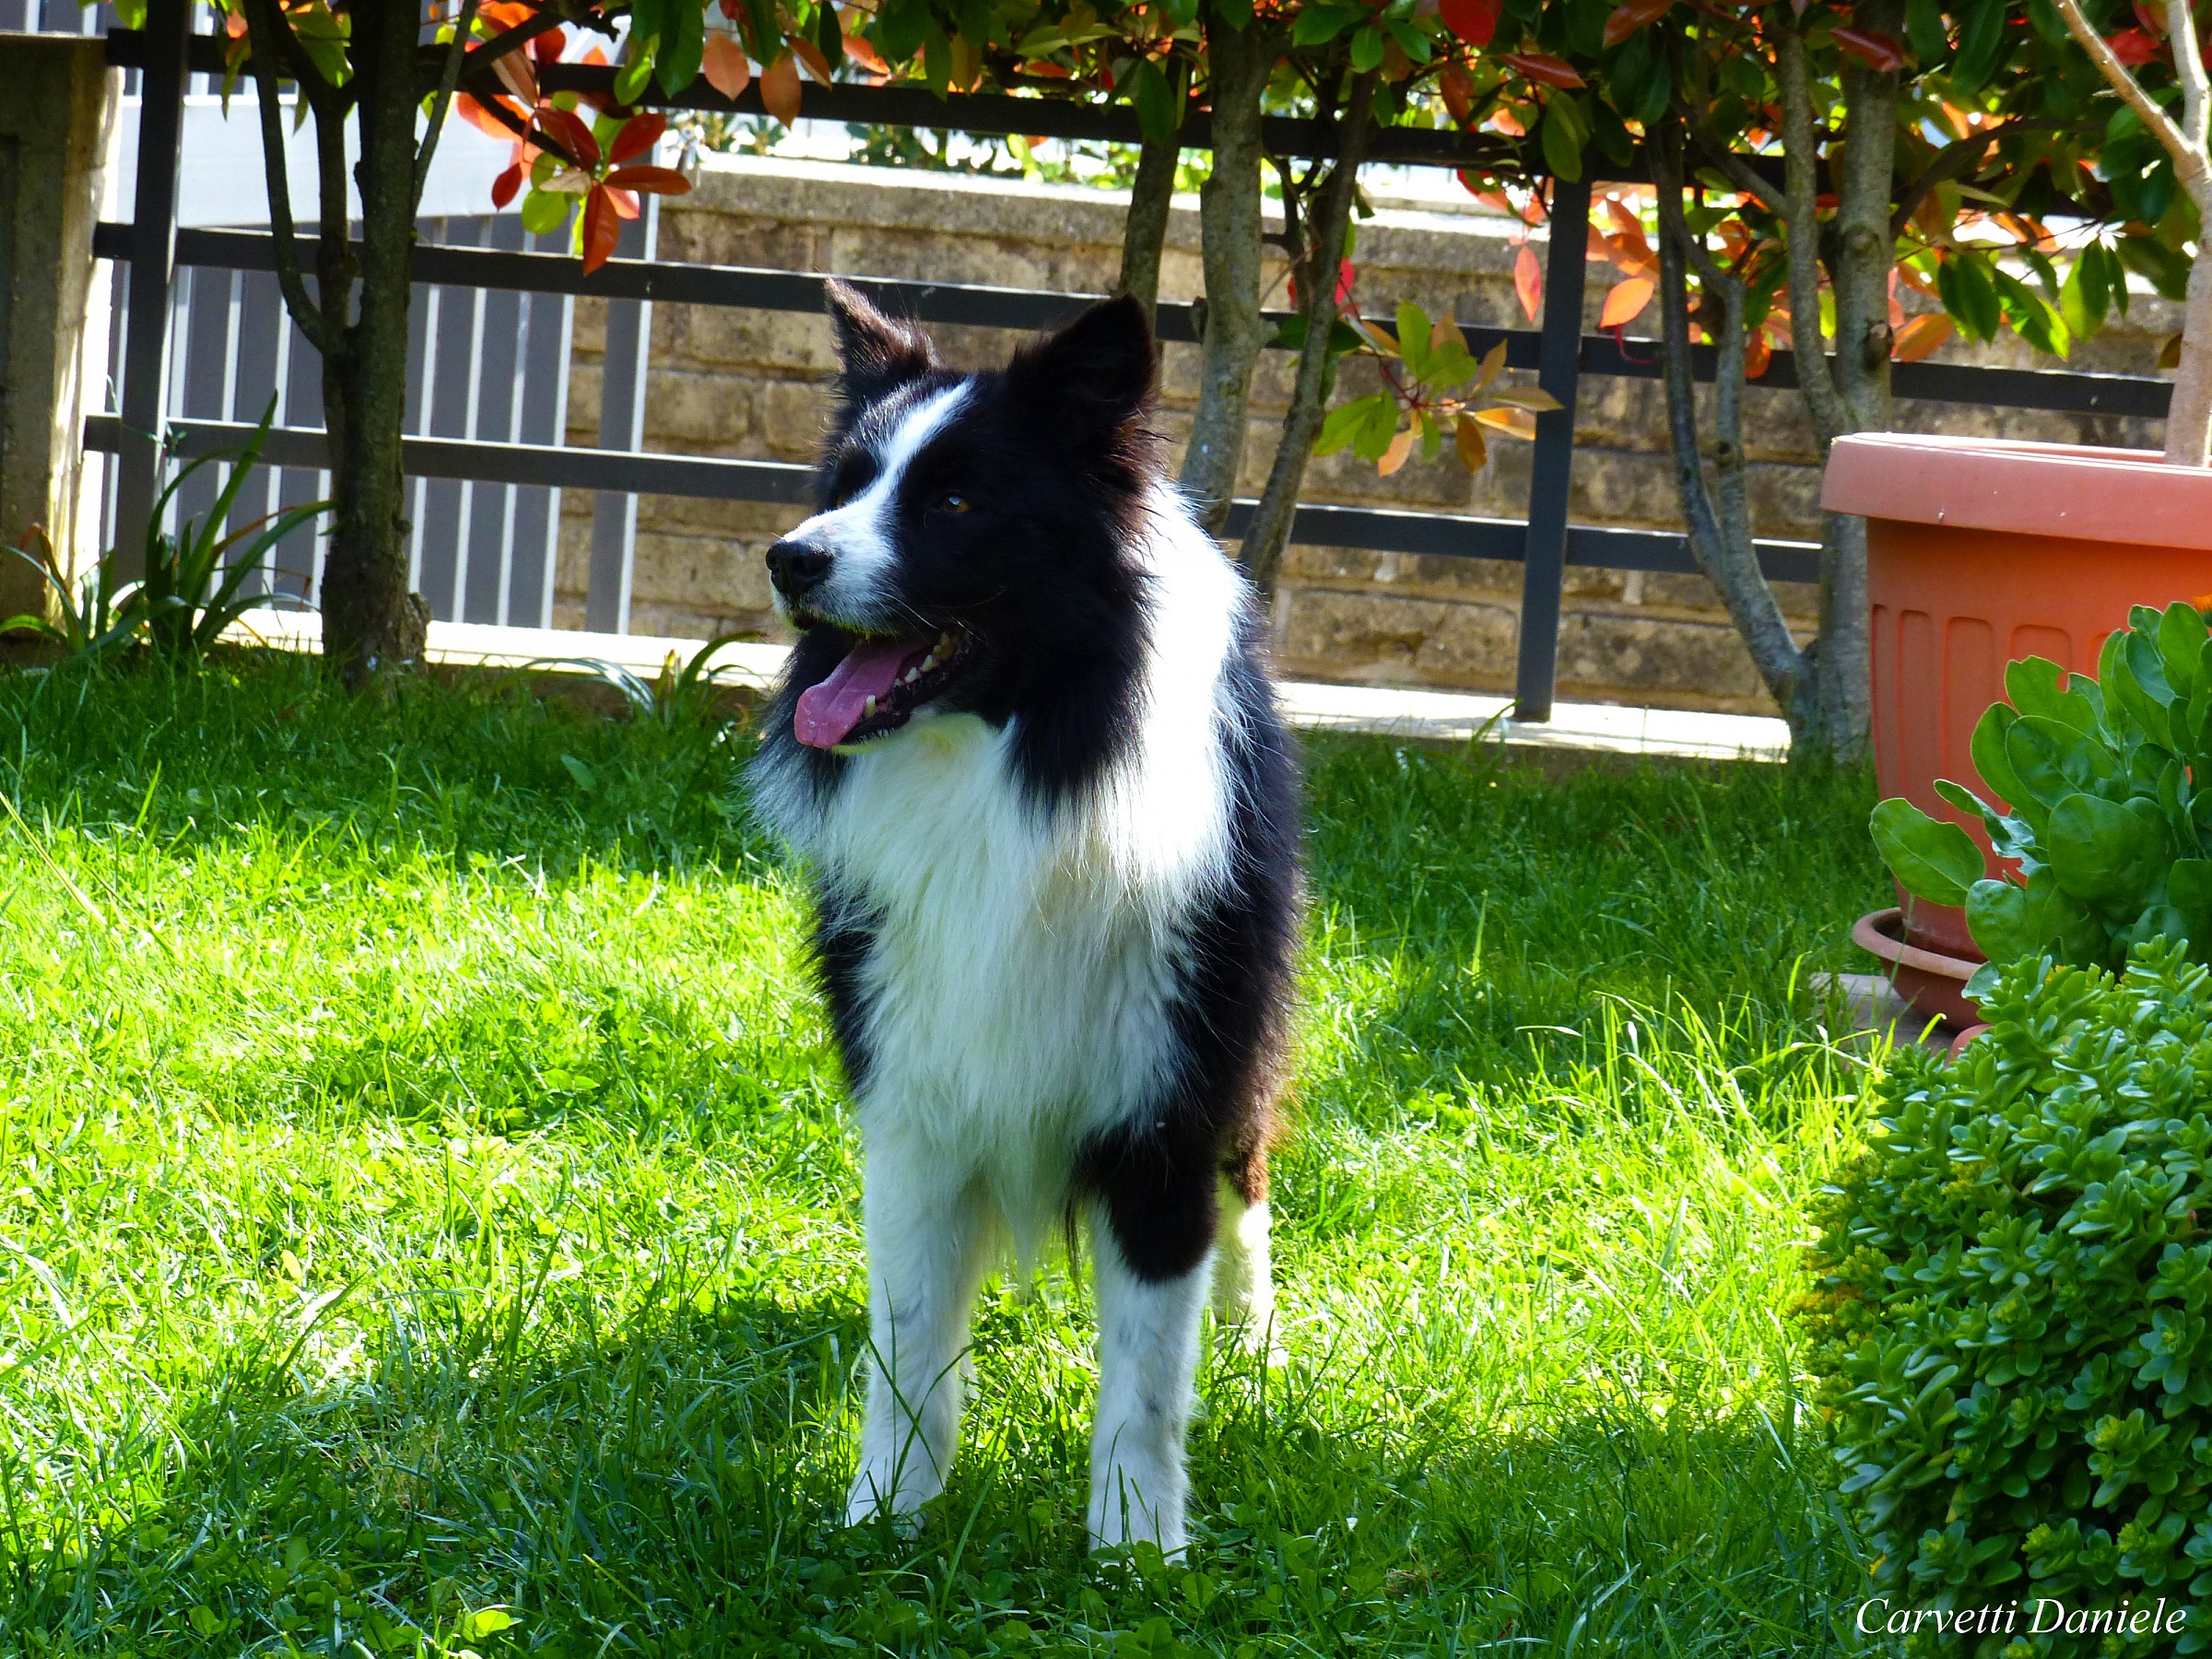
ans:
(868, 707)
(945, 642)
(912, 676)
(928, 664)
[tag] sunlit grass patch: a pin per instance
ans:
(424, 1196)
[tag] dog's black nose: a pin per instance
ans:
(797, 566)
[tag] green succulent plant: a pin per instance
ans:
(2107, 842)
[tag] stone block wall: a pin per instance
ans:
(754, 384)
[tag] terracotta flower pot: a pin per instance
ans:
(1981, 550)
(1934, 982)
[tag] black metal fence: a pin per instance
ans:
(165, 52)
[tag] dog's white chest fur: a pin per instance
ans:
(1016, 991)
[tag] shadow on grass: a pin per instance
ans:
(670, 1483)
(472, 770)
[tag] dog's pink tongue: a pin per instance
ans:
(828, 711)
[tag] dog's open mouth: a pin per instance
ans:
(877, 686)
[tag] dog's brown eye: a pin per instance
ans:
(952, 500)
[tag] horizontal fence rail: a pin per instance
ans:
(1560, 349)
(708, 477)
(2061, 391)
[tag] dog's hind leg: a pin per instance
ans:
(930, 1235)
(1243, 1259)
(1147, 1354)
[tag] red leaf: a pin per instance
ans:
(638, 134)
(780, 89)
(477, 116)
(2152, 20)
(1871, 47)
(569, 133)
(1624, 302)
(1919, 336)
(1458, 87)
(725, 64)
(1632, 15)
(654, 180)
(602, 229)
(1758, 353)
(547, 47)
(1543, 67)
(1528, 281)
(1474, 21)
(2132, 47)
(503, 188)
(517, 76)
(868, 58)
(811, 56)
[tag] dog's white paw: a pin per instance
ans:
(877, 1496)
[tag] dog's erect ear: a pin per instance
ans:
(875, 352)
(1095, 374)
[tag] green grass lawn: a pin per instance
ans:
(425, 1200)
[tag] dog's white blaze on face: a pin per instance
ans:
(859, 536)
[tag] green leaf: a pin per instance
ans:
(2003, 921)
(1343, 423)
(1962, 281)
(2182, 642)
(1155, 100)
(1932, 858)
(586, 779)
(2037, 686)
(1982, 47)
(1366, 49)
(1987, 749)
(545, 211)
(2085, 299)
(2189, 890)
(1317, 25)
(2165, 269)
(2032, 317)
(675, 65)
(1563, 133)
(2104, 853)
(1414, 332)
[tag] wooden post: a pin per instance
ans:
(621, 427)
(1559, 357)
(153, 266)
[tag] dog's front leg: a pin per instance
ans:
(1148, 1357)
(927, 1242)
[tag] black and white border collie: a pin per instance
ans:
(1027, 743)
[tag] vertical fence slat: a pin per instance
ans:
(1544, 573)
(622, 427)
(153, 263)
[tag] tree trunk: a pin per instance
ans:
(370, 622)
(1720, 529)
(1326, 228)
(1151, 199)
(1239, 61)
(2189, 417)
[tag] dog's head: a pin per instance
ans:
(971, 550)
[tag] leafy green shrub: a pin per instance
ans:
(2105, 822)
(2013, 1320)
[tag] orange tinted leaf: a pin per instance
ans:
(1473, 453)
(868, 58)
(547, 47)
(517, 73)
(1624, 302)
(602, 229)
(1528, 281)
(1543, 67)
(1920, 337)
(811, 56)
(639, 134)
(1871, 47)
(1528, 398)
(1518, 423)
(780, 89)
(653, 181)
(625, 203)
(505, 187)
(1758, 353)
(1632, 15)
(724, 63)
(1458, 88)
(1395, 457)
(477, 116)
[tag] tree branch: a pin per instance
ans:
(262, 14)
(1801, 220)
(2189, 159)
(1955, 157)
(448, 78)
